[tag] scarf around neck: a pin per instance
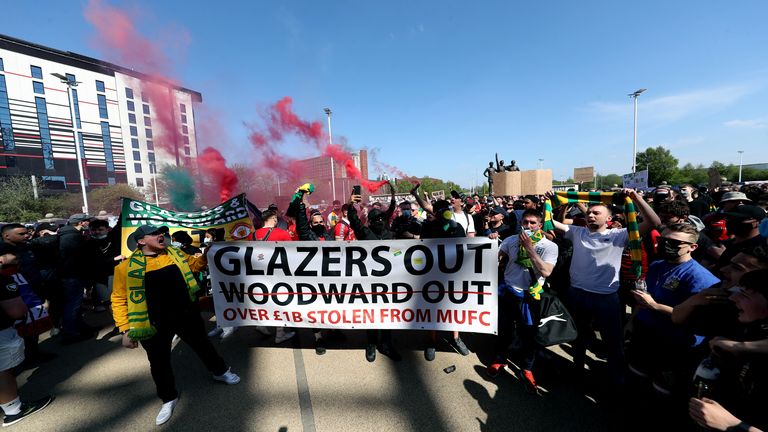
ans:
(524, 260)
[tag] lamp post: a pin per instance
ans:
(153, 169)
(541, 163)
(330, 142)
(634, 141)
(741, 162)
(71, 83)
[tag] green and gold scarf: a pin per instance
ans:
(138, 316)
(607, 198)
(524, 260)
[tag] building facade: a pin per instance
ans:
(115, 125)
(317, 170)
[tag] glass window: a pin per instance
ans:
(147, 122)
(1, 64)
(134, 143)
(128, 93)
(150, 145)
(183, 108)
(184, 118)
(184, 129)
(137, 168)
(151, 157)
(131, 106)
(81, 145)
(186, 139)
(77, 107)
(131, 118)
(38, 87)
(148, 133)
(5, 117)
(134, 131)
(45, 132)
(107, 140)
(186, 150)
(136, 155)
(102, 106)
(36, 72)
(100, 86)
(145, 108)
(139, 182)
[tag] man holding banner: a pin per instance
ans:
(153, 298)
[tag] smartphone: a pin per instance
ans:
(356, 190)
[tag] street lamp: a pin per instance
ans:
(71, 83)
(330, 142)
(741, 162)
(541, 163)
(153, 169)
(634, 142)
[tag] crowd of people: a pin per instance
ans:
(688, 298)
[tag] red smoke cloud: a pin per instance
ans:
(213, 163)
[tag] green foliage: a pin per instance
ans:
(109, 198)
(662, 166)
(18, 203)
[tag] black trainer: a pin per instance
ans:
(370, 353)
(27, 409)
(390, 351)
(320, 346)
(459, 344)
(429, 354)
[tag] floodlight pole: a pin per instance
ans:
(634, 141)
(70, 84)
(330, 142)
(741, 162)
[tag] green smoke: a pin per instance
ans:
(181, 188)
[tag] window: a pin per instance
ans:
(143, 97)
(111, 181)
(145, 108)
(147, 122)
(131, 118)
(139, 182)
(148, 133)
(151, 157)
(45, 132)
(184, 118)
(107, 140)
(136, 155)
(5, 117)
(137, 168)
(184, 129)
(185, 138)
(131, 106)
(134, 143)
(134, 131)
(186, 150)
(100, 86)
(183, 108)
(75, 101)
(38, 87)
(150, 145)
(82, 145)
(70, 77)
(1, 64)
(10, 161)
(128, 93)
(102, 106)
(36, 72)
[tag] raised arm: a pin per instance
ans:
(425, 205)
(650, 218)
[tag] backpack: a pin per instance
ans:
(556, 325)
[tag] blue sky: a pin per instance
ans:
(437, 87)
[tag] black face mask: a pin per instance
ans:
(738, 228)
(377, 225)
(318, 229)
(668, 251)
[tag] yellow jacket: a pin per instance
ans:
(120, 283)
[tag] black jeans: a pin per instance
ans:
(190, 328)
(513, 327)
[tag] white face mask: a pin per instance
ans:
(176, 244)
(208, 240)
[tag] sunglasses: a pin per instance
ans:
(675, 242)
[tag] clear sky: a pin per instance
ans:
(437, 87)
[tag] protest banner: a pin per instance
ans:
(436, 284)
(636, 180)
(231, 217)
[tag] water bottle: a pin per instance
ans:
(706, 376)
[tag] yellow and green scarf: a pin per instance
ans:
(138, 316)
(607, 198)
(524, 260)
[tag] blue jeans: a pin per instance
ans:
(71, 319)
(601, 312)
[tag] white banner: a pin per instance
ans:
(436, 284)
(636, 180)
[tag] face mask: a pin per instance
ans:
(208, 240)
(406, 213)
(529, 233)
(685, 193)
(176, 244)
(377, 225)
(738, 228)
(318, 229)
(99, 237)
(668, 251)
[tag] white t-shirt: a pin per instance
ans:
(465, 220)
(596, 258)
(517, 276)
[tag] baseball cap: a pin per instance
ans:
(745, 212)
(78, 217)
(734, 196)
(533, 198)
(499, 210)
(457, 195)
(146, 230)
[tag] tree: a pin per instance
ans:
(108, 198)
(18, 203)
(695, 175)
(662, 166)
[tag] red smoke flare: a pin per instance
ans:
(212, 163)
(397, 172)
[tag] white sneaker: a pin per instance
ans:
(263, 330)
(55, 331)
(281, 335)
(227, 332)
(215, 332)
(228, 377)
(166, 412)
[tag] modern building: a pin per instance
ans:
(115, 123)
